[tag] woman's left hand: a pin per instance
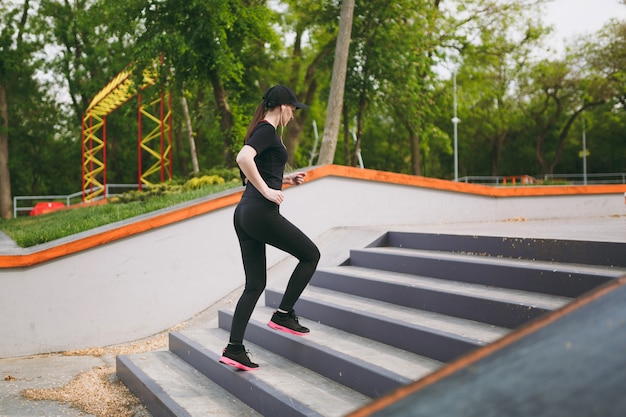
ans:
(295, 178)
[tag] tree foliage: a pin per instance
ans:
(521, 104)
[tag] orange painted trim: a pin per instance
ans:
(461, 187)
(26, 260)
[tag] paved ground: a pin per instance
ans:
(56, 370)
(44, 371)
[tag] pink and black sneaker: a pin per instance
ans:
(287, 322)
(237, 356)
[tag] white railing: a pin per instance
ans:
(573, 179)
(65, 199)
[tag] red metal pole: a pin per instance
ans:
(139, 136)
(82, 151)
(104, 156)
(91, 151)
(169, 123)
(162, 136)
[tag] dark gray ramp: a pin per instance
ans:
(570, 363)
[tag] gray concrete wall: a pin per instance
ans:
(332, 202)
(138, 286)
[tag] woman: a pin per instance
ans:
(258, 222)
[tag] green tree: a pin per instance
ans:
(605, 55)
(600, 61)
(391, 55)
(385, 53)
(307, 62)
(15, 69)
(517, 115)
(89, 54)
(90, 50)
(203, 41)
(608, 55)
(605, 131)
(411, 56)
(556, 95)
(338, 83)
(489, 78)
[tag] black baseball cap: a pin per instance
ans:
(279, 94)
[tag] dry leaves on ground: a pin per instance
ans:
(91, 392)
(99, 392)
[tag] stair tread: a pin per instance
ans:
(546, 301)
(486, 259)
(407, 364)
(311, 389)
(481, 333)
(186, 386)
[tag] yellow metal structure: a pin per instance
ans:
(156, 142)
(120, 90)
(93, 164)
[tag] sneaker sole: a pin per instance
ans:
(275, 326)
(235, 364)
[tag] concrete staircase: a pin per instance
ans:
(393, 313)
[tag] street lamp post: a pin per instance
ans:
(584, 151)
(455, 122)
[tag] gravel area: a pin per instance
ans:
(74, 383)
(96, 392)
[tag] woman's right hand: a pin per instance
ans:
(275, 196)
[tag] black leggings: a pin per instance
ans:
(258, 222)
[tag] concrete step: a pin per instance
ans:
(498, 306)
(610, 254)
(279, 388)
(369, 367)
(170, 387)
(563, 280)
(432, 335)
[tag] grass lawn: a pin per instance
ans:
(29, 231)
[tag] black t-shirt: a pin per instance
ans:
(270, 159)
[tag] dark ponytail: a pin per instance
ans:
(259, 114)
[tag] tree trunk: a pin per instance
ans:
(497, 152)
(6, 211)
(347, 138)
(6, 203)
(565, 132)
(337, 84)
(539, 155)
(547, 167)
(192, 142)
(359, 134)
(179, 143)
(226, 118)
(416, 159)
(293, 135)
(295, 128)
(414, 141)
